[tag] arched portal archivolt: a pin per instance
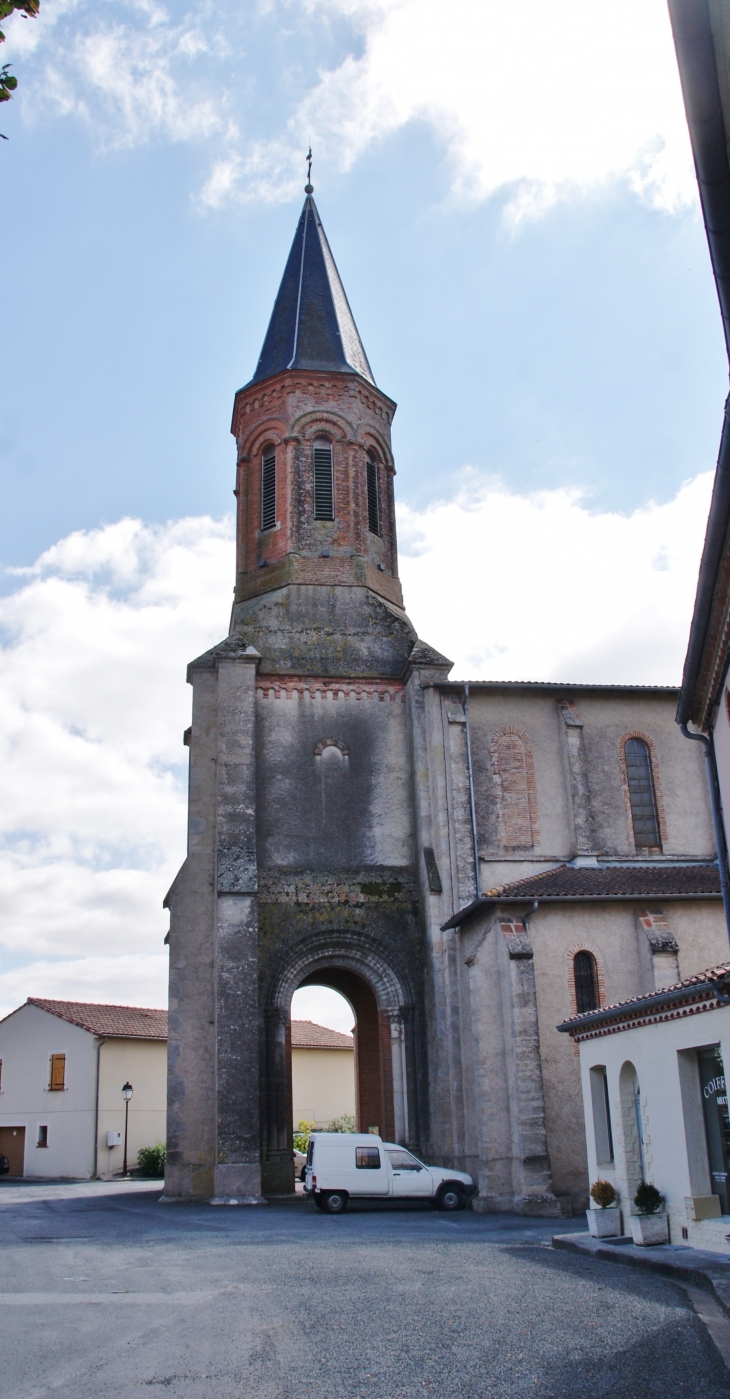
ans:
(350, 952)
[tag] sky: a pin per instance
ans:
(508, 189)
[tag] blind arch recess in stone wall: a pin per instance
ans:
(514, 777)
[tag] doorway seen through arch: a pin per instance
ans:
(371, 1033)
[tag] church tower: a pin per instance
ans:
(301, 865)
(329, 834)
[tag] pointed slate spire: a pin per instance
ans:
(312, 326)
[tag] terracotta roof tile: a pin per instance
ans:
(615, 881)
(306, 1035)
(710, 977)
(124, 1022)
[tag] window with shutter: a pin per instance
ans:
(373, 503)
(324, 494)
(268, 489)
(58, 1073)
(641, 794)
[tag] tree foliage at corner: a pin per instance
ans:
(29, 9)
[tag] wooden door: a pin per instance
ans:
(12, 1145)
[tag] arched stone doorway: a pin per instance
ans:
(385, 1049)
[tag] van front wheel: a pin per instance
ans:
(450, 1197)
(334, 1201)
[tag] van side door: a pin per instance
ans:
(371, 1174)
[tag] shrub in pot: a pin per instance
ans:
(603, 1220)
(649, 1224)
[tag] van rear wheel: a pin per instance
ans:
(450, 1197)
(334, 1201)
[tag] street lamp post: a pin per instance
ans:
(127, 1092)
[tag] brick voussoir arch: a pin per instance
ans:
(570, 956)
(323, 423)
(515, 823)
(273, 430)
(651, 745)
(344, 951)
(331, 743)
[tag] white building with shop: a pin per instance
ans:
(63, 1065)
(656, 1103)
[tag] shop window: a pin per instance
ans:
(717, 1121)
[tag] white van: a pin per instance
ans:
(355, 1165)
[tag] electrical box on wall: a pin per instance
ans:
(114, 1139)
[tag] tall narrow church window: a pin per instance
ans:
(373, 502)
(641, 793)
(586, 982)
(324, 494)
(268, 488)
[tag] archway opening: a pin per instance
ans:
(322, 1063)
(372, 1048)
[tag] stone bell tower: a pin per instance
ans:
(300, 865)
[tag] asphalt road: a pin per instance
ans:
(105, 1292)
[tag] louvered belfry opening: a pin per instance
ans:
(641, 794)
(268, 488)
(324, 494)
(586, 982)
(373, 503)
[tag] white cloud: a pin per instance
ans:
(93, 700)
(539, 587)
(539, 98)
(544, 99)
(93, 704)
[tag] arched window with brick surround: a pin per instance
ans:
(585, 977)
(641, 789)
(373, 494)
(514, 777)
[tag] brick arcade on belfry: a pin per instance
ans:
(349, 804)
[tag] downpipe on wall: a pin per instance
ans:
(714, 786)
(472, 808)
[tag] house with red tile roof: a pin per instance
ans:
(323, 1074)
(63, 1065)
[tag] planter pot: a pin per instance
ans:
(647, 1229)
(604, 1224)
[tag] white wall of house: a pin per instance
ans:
(143, 1063)
(674, 1143)
(323, 1085)
(28, 1038)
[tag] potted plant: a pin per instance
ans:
(649, 1223)
(603, 1221)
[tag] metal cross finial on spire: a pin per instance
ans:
(309, 187)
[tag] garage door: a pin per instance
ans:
(12, 1145)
